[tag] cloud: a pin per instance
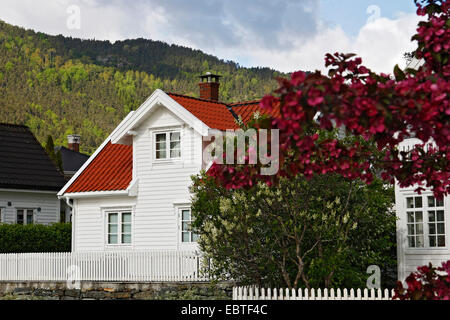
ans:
(380, 43)
(283, 34)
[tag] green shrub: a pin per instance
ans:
(16, 238)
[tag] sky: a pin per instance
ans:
(286, 35)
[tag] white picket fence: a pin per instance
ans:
(132, 266)
(255, 293)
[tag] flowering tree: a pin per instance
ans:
(380, 109)
(426, 284)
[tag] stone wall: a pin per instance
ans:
(114, 290)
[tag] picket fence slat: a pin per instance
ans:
(130, 266)
(256, 293)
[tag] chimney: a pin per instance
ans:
(209, 86)
(74, 142)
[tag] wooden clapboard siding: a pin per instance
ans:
(20, 199)
(161, 187)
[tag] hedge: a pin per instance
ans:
(16, 238)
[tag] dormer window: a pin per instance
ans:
(167, 145)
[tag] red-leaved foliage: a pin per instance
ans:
(426, 284)
(380, 108)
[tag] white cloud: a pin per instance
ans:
(381, 44)
(283, 34)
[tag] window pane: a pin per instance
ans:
(418, 202)
(411, 229)
(419, 241)
(410, 216)
(411, 242)
(112, 218)
(431, 202)
(29, 217)
(440, 215)
(175, 145)
(440, 228)
(419, 216)
(126, 238)
(432, 241)
(419, 228)
(186, 215)
(441, 241)
(112, 238)
(160, 146)
(431, 216)
(432, 228)
(113, 228)
(160, 137)
(185, 236)
(195, 237)
(126, 217)
(161, 154)
(410, 202)
(126, 228)
(185, 226)
(440, 203)
(174, 136)
(20, 216)
(175, 153)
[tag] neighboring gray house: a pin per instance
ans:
(29, 180)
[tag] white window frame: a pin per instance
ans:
(119, 211)
(179, 211)
(25, 215)
(167, 132)
(426, 223)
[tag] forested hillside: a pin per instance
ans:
(59, 86)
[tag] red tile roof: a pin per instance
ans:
(247, 109)
(111, 170)
(214, 114)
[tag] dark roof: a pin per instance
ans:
(71, 160)
(24, 164)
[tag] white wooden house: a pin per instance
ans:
(133, 192)
(29, 181)
(423, 234)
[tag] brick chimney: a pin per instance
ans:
(209, 86)
(74, 142)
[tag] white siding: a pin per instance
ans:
(161, 187)
(89, 221)
(48, 202)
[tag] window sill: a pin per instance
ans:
(433, 250)
(167, 161)
(118, 246)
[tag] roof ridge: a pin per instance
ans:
(13, 125)
(195, 98)
(243, 103)
(83, 154)
(227, 104)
